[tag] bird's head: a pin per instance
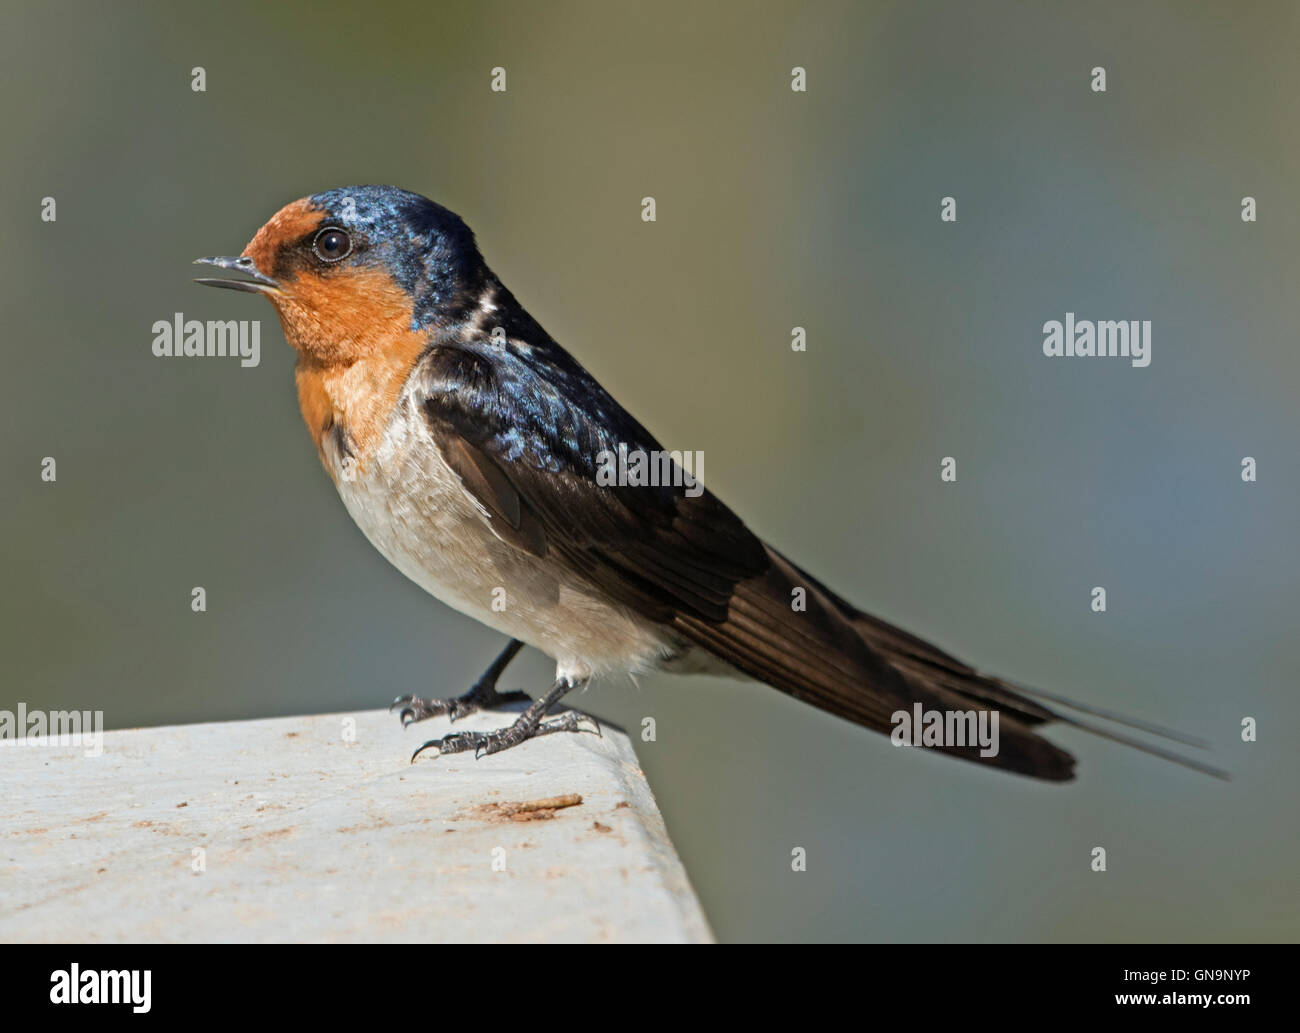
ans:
(353, 269)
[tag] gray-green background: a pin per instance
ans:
(775, 209)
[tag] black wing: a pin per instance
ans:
(525, 436)
(529, 453)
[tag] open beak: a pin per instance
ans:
(259, 284)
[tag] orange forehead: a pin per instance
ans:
(336, 315)
(291, 222)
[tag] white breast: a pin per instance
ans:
(414, 510)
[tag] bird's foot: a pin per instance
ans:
(529, 726)
(483, 696)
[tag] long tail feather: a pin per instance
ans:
(859, 667)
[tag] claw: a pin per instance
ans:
(431, 742)
(530, 724)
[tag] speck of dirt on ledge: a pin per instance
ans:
(522, 810)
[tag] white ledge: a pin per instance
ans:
(306, 836)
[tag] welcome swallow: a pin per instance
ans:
(465, 443)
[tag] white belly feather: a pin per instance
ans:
(414, 510)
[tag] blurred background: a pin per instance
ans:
(775, 209)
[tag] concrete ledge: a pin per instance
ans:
(305, 835)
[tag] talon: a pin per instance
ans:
(407, 717)
(530, 724)
(431, 742)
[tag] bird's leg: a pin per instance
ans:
(529, 725)
(483, 696)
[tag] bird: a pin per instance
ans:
(467, 445)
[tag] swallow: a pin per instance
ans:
(466, 444)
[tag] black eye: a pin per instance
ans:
(332, 245)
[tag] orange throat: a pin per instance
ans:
(353, 400)
(355, 350)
